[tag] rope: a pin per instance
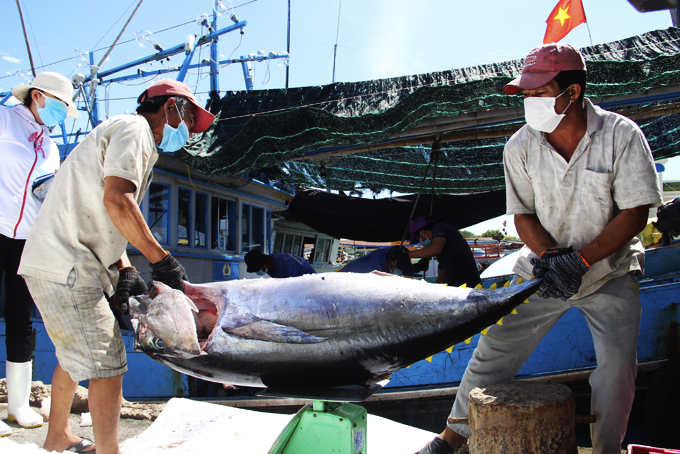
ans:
(436, 149)
(434, 156)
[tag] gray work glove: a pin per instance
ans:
(170, 272)
(130, 283)
(562, 274)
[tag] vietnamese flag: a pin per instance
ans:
(564, 18)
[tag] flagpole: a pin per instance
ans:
(588, 26)
(591, 38)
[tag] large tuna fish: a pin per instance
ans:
(320, 330)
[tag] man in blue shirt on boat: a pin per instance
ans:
(582, 178)
(378, 261)
(277, 265)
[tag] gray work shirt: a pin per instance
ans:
(611, 170)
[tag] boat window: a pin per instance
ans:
(159, 211)
(297, 246)
(288, 244)
(322, 250)
(223, 221)
(253, 229)
(278, 242)
(183, 216)
(200, 220)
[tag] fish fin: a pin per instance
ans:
(273, 332)
(450, 349)
(351, 393)
(479, 286)
(468, 340)
(191, 304)
(493, 286)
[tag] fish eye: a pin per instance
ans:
(158, 343)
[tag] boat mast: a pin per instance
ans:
(28, 46)
(337, 33)
(288, 45)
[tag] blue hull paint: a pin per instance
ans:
(567, 347)
(145, 379)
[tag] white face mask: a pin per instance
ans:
(539, 111)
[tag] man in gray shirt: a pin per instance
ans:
(75, 254)
(581, 177)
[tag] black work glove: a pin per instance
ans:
(422, 264)
(130, 283)
(170, 272)
(541, 268)
(563, 276)
(397, 253)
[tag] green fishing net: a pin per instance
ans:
(265, 129)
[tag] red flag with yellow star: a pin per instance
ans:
(563, 19)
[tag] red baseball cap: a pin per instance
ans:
(169, 87)
(543, 64)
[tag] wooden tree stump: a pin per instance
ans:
(520, 417)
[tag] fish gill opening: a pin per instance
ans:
(209, 303)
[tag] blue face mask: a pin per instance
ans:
(54, 113)
(260, 272)
(174, 139)
(426, 243)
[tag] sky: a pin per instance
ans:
(376, 39)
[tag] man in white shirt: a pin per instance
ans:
(581, 177)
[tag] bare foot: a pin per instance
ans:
(65, 441)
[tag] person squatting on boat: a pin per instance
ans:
(28, 153)
(378, 261)
(75, 255)
(457, 265)
(277, 265)
(576, 176)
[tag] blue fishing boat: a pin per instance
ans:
(210, 204)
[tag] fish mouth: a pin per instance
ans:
(145, 340)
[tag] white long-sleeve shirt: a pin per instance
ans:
(26, 153)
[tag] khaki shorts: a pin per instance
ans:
(85, 334)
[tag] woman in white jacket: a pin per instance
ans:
(27, 153)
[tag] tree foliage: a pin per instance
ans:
(467, 234)
(495, 234)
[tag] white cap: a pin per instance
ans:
(53, 83)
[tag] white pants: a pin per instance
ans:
(613, 316)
